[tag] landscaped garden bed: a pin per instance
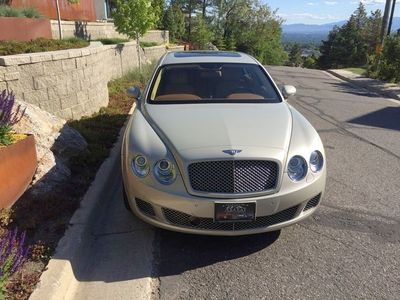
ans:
(40, 45)
(35, 223)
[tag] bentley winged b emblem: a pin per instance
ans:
(232, 151)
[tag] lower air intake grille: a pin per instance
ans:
(312, 203)
(184, 220)
(145, 208)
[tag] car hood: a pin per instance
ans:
(190, 129)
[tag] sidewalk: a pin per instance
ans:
(385, 89)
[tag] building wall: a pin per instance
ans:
(100, 9)
(96, 30)
(84, 10)
(69, 83)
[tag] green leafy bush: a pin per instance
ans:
(40, 45)
(31, 12)
(386, 66)
(112, 41)
(25, 12)
(148, 44)
(390, 60)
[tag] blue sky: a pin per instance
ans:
(322, 11)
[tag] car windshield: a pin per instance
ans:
(212, 82)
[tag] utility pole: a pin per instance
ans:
(391, 17)
(385, 22)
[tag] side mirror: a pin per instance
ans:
(288, 90)
(134, 92)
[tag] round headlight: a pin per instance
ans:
(297, 168)
(316, 161)
(140, 166)
(165, 172)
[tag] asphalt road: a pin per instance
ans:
(349, 249)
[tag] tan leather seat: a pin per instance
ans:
(245, 96)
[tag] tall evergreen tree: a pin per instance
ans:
(295, 56)
(351, 44)
(174, 21)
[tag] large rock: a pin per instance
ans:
(56, 143)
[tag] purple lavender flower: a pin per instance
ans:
(13, 253)
(7, 116)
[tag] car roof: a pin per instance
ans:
(185, 57)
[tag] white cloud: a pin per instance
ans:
(313, 16)
(330, 2)
(311, 3)
(372, 2)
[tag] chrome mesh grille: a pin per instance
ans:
(312, 203)
(184, 220)
(145, 207)
(233, 176)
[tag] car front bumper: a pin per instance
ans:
(174, 209)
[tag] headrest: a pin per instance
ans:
(232, 73)
(178, 76)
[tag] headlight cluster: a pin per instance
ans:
(164, 170)
(140, 166)
(297, 167)
(316, 161)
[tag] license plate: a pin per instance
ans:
(229, 212)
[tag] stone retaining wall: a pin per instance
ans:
(97, 30)
(69, 83)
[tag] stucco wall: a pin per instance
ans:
(69, 83)
(96, 30)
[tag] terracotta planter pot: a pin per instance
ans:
(18, 164)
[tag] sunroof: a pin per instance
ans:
(206, 53)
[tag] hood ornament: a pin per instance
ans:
(232, 151)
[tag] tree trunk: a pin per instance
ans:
(190, 21)
(59, 20)
(138, 51)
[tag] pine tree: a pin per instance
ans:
(295, 56)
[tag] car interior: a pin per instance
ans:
(212, 82)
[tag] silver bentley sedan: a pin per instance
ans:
(214, 148)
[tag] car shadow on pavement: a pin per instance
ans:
(349, 88)
(388, 118)
(176, 253)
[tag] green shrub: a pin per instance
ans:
(148, 44)
(386, 66)
(27, 12)
(31, 12)
(40, 45)
(7, 11)
(390, 60)
(310, 62)
(112, 41)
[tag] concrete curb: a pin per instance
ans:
(378, 90)
(56, 280)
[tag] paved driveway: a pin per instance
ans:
(349, 249)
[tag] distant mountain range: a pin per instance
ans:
(315, 33)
